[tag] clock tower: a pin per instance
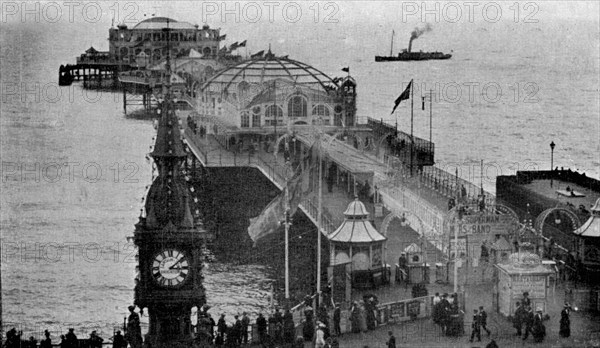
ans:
(169, 241)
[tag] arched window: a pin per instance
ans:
(297, 106)
(256, 116)
(321, 111)
(273, 113)
(245, 120)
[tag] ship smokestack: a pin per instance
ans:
(418, 32)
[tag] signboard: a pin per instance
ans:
(397, 309)
(462, 247)
(480, 224)
(535, 285)
(413, 308)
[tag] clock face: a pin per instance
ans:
(170, 268)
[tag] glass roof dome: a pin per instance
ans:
(270, 67)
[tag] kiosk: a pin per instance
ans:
(358, 242)
(524, 272)
(418, 270)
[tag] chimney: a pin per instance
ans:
(410, 44)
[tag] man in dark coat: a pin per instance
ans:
(95, 340)
(71, 339)
(391, 342)
(46, 342)
(476, 326)
(308, 331)
(443, 311)
(565, 321)
(211, 327)
(261, 327)
(518, 318)
(245, 324)
(119, 341)
(221, 328)
(483, 320)
(526, 301)
(337, 314)
(289, 328)
(528, 321)
(134, 330)
(237, 331)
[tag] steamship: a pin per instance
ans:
(407, 54)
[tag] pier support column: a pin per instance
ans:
(124, 100)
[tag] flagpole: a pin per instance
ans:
(319, 209)
(430, 112)
(412, 141)
(287, 251)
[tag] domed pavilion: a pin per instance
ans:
(266, 93)
(357, 241)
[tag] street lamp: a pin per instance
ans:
(552, 145)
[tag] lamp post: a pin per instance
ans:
(552, 145)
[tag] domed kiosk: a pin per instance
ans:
(358, 243)
(261, 94)
(524, 272)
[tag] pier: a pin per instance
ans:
(424, 196)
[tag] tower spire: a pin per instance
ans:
(168, 198)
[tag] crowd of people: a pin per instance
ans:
(447, 314)
(68, 340)
(278, 328)
(525, 318)
(363, 314)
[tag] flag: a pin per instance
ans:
(234, 46)
(222, 37)
(243, 44)
(422, 103)
(346, 69)
(405, 95)
(258, 54)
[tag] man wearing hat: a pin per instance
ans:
(539, 330)
(119, 340)
(337, 316)
(476, 327)
(565, 321)
(444, 311)
(528, 321)
(134, 329)
(46, 342)
(71, 339)
(95, 340)
(526, 301)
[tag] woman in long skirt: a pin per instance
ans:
(565, 322)
(355, 318)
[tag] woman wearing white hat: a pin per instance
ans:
(320, 336)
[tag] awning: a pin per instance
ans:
(591, 228)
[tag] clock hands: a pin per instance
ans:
(176, 263)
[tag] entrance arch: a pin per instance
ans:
(564, 214)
